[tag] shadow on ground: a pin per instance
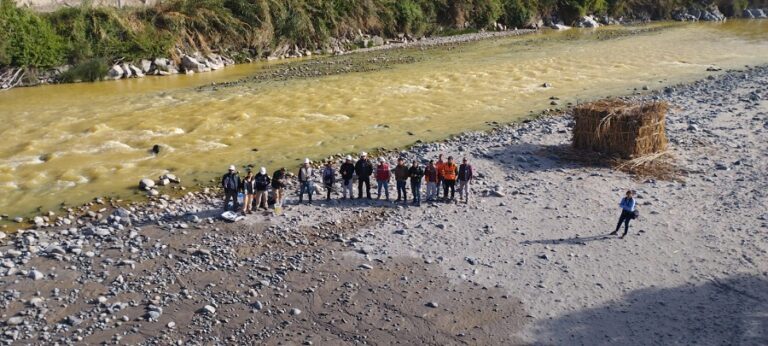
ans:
(732, 311)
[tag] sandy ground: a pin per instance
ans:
(533, 266)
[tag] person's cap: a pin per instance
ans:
(306, 160)
(232, 168)
(381, 159)
(363, 154)
(263, 170)
(349, 157)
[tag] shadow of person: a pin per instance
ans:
(730, 311)
(570, 241)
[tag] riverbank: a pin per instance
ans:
(527, 261)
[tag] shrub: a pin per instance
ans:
(27, 39)
(486, 12)
(518, 13)
(88, 71)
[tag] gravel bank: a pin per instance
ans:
(527, 261)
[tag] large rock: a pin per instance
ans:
(559, 26)
(587, 22)
(190, 64)
(146, 184)
(377, 41)
(161, 64)
(127, 73)
(214, 62)
(137, 72)
(115, 72)
(146, 66)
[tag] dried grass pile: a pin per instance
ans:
(617, 127)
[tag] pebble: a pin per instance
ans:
(36, 275)
(295, 312)
(432, 305)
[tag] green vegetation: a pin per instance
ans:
(89, 38)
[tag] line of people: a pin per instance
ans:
(438, 175)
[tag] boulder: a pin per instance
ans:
(559, 26)
(115, 72)
(127, 73)
(161, 64)
(189, 63)
(171, 177)
(146, 66)
(146, 184)
(377, 41)
(587, 22)
(759, 13)
(748, 14)
(137, 72)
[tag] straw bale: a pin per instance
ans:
(618, 127)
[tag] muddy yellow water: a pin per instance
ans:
(70, 143)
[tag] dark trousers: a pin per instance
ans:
(328, 189)
(367, 182)
(449, 185)
(401, 191)
(230, 195)
(625, 217)
(416, 191)
(305, 187)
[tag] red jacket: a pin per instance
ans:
(382, 172)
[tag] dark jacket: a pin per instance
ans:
(431, 174)
(261, 181)
(401, 172)
(278, 179)
(231, 182)
(247, 186)
(465, 172)
(363, 168)
(329, 176)
(416, 173)
(347, 170)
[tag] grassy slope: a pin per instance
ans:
(89, 38)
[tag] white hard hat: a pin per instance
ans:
(306, 160)
(349, 157)
(232, 168)
(263, 170)
(363, 154)
(381, 159)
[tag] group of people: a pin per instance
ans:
(440, 174)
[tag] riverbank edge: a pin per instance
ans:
(99, 207)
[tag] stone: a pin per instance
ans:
(135, 71)
(208, 310)
(171, 177)
(432, 305)
(587, 22)
(36, 275)
(377, 41)
(295, 312)
(366, 266)
(73, 320)
(146, 184)
(127, 73)
(146, 66)
(189, 63)
(115, 72)
(39, 221)
(15, 321)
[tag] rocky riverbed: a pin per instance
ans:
(526, 261)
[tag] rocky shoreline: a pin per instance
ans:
(198, 62)
(526, 262)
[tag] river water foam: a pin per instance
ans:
(69, 143)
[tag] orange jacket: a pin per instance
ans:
(449, 171)
(439, 165)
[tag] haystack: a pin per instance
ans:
(617, 127)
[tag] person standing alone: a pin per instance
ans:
(230, 182)
(628, 212)
(363, 169)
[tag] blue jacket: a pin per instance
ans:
(627, 204)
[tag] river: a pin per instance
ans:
(70, 143)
